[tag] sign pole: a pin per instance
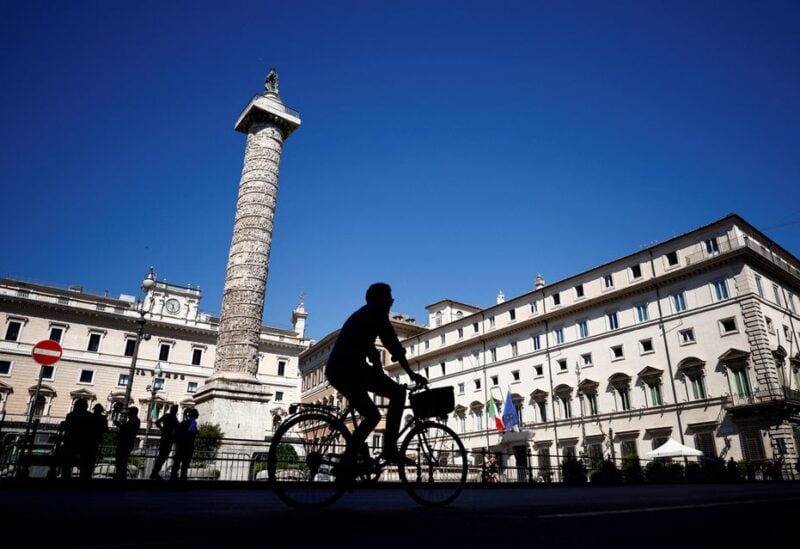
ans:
(45, 353)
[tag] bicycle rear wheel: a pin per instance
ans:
(437, 471)
(301, 458)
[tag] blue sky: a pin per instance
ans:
(452, 149)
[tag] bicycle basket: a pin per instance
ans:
(433, 402)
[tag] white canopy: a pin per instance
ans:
(672, 448)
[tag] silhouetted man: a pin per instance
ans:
(167, 423)
(354, 368)
(77, 438)
(185, 433)
(99, 428)
(126, 439)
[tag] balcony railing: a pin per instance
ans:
(731, 244)
(763, 396)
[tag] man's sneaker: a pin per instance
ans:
(396, 458)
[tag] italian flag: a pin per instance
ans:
(494, 413)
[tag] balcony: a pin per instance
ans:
(779, 402)
(727, 246)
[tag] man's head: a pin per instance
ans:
(98, 408)
(380, 295)
(173, 410)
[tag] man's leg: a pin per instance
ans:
(381, 384)
(370, 416)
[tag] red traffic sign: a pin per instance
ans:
(46, 352)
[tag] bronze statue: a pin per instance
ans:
(271, 82)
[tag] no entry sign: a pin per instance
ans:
(46, 352)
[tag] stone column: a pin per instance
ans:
(232, 396)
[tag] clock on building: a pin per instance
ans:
(173, 306)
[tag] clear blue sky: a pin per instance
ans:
(452, 149)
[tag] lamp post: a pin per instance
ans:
(148, 282)
(153, 388)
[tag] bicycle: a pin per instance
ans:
(306, 448)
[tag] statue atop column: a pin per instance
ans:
(271, 82)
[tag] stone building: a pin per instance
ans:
(98, 335)
(694, 339)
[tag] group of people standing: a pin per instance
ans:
(81, 434)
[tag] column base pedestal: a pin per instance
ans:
(237, 404)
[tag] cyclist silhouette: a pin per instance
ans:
(355, 368)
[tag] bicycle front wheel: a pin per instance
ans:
(302, 455)
(437, 468)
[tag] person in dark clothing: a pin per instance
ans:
(98, 427)
(126, 439)
(355, 369)
(167, 423)
(185, 433)
(77, 434)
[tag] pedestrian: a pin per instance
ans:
(167, 423)
(185, 434)
(77, 432)
(126, 439)
(98, 428)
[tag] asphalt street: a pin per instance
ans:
(206, 515)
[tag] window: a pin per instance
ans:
(514, 350)
(122, 380)
(534, 307)
(686, 336)
(442, 339)
(583, 329)
(790, 299)
(13, 327)
(87, 376)
(130, 346)
(646, 346)
(624, 397)
(94, 342)
(493, 355)
(759, 287)
(427, 344)
(163, 352)
(512, 315)
(628, 447)
(591, 399)
(697, 385)
(641, 312)
(443, 367)
(655, 394)
(727, 326)
(712, 247)
(47, 372)
(672, 259)
(515, 375)
(462, 423)
(197, 356)
(770, 326)
(495, 380)
(786, 332)
(158, 383)
(741, 382)
(56, 333)
(191, 387)
(5, 367)
(562, 364)
(636, 271)
(460, 333)
(491, 322)
(538, 370)
(721, 289)
(281, 368)
(566, 406)
(460, 361)
(679, 302)
(438, 318)
(477, 384)
(559, 332)
(556, 299)
(705, 443)
(537, 343)
(475, 328)
(278, 396)
(613, 321)
(579, 291)
(478, 414)
(542, 410)
(617, 352)
(586, 359)
(777, 293)
(608, 281)
(460, 388)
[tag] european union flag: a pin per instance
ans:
(510, 413)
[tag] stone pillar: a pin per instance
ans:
(232, 396)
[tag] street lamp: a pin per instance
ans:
(147, 284)
(153, 388)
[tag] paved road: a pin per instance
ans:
(557, 516)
